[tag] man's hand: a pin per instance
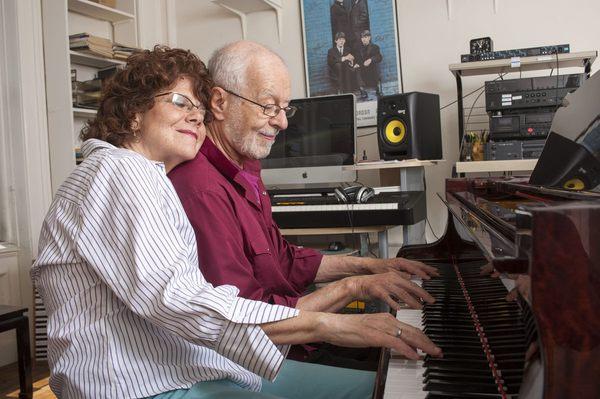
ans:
(389, 287)
(412, 267)
(375, 330)
(367, 62)
(522, 287)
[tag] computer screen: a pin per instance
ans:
(318, 142)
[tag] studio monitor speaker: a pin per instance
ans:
(408, 126)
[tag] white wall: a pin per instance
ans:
(24, 139)
(433, 34)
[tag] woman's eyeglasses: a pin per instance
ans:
(182, 102)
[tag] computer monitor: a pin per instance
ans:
(319, 141)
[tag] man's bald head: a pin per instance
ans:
(232, 65)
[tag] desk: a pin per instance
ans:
(12, 317)
(380, 230)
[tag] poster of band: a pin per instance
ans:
(351, 46)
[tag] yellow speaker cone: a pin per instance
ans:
(574, 184)
(395, 131)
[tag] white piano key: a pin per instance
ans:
(404, 380)
(334, 207)
(405, 377)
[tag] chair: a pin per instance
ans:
(15, 317)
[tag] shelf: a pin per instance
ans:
(92, 60)
(84, 112)
(7, 248)
(513, 165)
(536, 63)
(333, 230)
(98, 11)
(407, 163)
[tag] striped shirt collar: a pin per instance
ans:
(89, 146)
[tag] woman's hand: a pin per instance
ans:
(375, 330)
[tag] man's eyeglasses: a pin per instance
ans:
(271, 110)
(183, 103)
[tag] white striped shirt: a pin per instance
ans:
(129, 312)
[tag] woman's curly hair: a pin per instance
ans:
(132, 90)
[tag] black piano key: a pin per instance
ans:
(465, 318)
(460, 396)
(471, 387)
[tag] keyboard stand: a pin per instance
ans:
(382, 235)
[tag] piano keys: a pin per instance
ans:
(552, 235)
(384, 209)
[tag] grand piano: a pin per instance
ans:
(546, 343)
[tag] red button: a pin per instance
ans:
(529, 130)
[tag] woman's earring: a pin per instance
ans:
(136, 131)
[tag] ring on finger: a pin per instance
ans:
(399, 333)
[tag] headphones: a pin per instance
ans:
(353, 194)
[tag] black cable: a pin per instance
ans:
(369, 246)
(471, 110)
(431, 228)
(501, 76)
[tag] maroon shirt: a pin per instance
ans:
(238, 241)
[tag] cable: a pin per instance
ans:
(431, 228)
(501, 76)
(369, 246)
(471, 110)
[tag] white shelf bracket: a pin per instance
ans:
(449, 9)
(239, 14)
(241, 8)
(278, 7)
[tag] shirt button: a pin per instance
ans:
(264, 193)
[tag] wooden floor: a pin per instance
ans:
(9, 381)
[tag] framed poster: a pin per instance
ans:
(351, 46)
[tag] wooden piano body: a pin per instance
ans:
(551, 235)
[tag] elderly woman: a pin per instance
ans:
(129, 313)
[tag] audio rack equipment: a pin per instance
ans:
(522, 52)
(513, 149)
(529, 125)
(543, 91)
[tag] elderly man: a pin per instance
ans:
(227, 204)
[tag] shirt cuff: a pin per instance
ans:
(245, 343)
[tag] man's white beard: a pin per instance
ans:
(249, 145)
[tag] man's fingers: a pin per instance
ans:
(391, 302)
(414, 289)
(409, 299)
(420, 269)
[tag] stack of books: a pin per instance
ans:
(122, 52)
(88, 93)
(86, 43)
